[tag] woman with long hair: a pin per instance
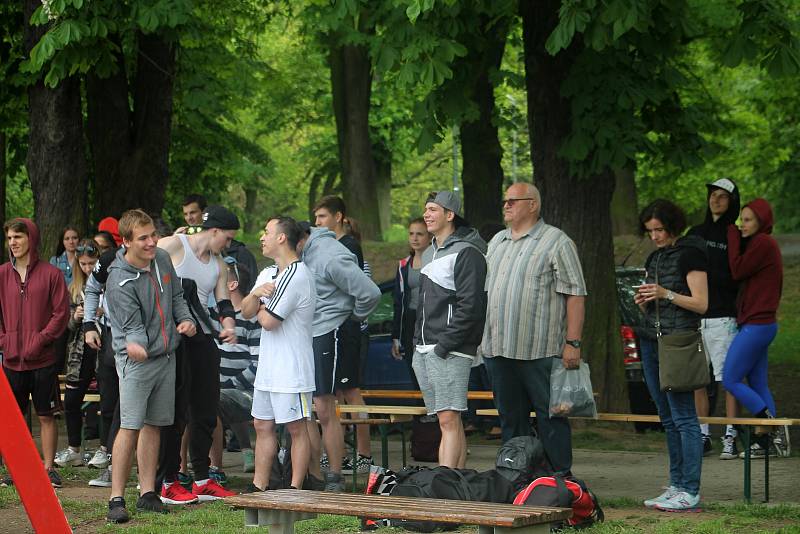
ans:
(755, 261)
(65, 251)
(406, 295)
(675, 288)
(81, 360)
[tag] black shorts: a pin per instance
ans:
(337, 357)
(40, 385)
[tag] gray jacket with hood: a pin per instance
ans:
(452, 293)
(343, 290)
(145, 305)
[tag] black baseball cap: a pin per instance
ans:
(220, 217)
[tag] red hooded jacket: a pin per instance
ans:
(759, 269)
(33, 314)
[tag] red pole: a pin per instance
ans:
(25, 466)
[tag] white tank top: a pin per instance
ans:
(205, 275)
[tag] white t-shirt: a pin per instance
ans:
(286, 354)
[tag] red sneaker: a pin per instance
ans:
(177, 494)
(210, 491)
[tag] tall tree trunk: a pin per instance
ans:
(3, 149)
(624, 204)
(581, 207)
(481, 152)
(56, 161)
(383, 185)
(251, 221)
(130, 146)
(351, 87)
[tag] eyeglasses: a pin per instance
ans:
(512, 201)
(80, 249)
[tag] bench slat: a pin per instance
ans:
(446, 511)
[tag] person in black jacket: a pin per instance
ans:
(673, 297)
(719, 323)
(406, 295)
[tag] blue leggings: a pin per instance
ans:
(747, 358)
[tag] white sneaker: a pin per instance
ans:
(780, 440)
(669, 493)
(102, 481)
(729, 451)
(99, 460)
(680, 502)
(68, 457)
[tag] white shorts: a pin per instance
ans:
(718, 334)
(281, 407)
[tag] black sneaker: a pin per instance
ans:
(707, 446)
(252, 488)
(334, 483)
(55, 480)
(150, 502)
(116, 511)
(313, 483)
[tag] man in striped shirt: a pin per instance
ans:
(237, 371)
(534, 320)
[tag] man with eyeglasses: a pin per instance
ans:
(534, 320)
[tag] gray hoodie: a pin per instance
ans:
(343, 290)
(144, 306)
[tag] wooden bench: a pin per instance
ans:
(747, 423)
(282, 508)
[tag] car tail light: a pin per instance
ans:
(630, 344)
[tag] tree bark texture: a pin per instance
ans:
(56, 161)
(130, 144)
(481, 152)
(351, 87)
(580, 207)
(624, 204)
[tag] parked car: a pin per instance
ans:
(632, 323)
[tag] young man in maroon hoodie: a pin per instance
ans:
(34, 310)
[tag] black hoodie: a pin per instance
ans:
(722, 288)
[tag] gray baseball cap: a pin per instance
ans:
(448, 200)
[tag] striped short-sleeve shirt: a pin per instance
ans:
(527, 284)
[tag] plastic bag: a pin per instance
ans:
(571, 392)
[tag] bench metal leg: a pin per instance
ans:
(747, 464)
(383, 429)
(766, 475)
(531, 529)
(278, 521)
(403, 442)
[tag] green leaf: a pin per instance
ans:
(413, 11)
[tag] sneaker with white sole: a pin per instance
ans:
(757, 452)
(102, 481)
(780, 440)
(668, 493)
(708, 447)
(210, 491)
(680, 502)
(69, 457)
(174, 493)
(729, 451)
(363, 463)
(100, 459)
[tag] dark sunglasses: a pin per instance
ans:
(91, 249)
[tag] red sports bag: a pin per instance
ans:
(563, 493)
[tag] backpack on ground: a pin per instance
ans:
(521, 460)
(563, 492)
(280, 475)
